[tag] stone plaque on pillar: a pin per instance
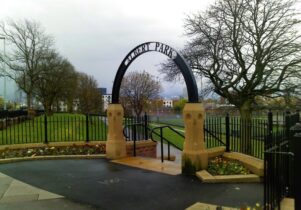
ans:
(195, 155)
(115, 145)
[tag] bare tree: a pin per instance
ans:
(90, 99)
(137, 88)
(55, 75)
(71, 83)
(28, 44)
(246, 48)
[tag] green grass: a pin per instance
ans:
(60, 127)
(257, 146)
(171, 136)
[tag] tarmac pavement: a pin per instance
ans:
(101, 184)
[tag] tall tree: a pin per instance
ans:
(136, 89)
(54, 78)
(246, 48)
(90, 99)
(28, 44)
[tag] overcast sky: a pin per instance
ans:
(95, 35)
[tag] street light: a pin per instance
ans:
(4, 78)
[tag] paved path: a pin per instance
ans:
(100, 184)
(17, 195)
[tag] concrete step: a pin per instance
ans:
(152, 164)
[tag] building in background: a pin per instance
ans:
(167, 103)
(103, 91)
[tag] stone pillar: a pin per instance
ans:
(115, 145)
(195, 155)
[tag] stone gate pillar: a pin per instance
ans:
(115, 145)
(195, 155)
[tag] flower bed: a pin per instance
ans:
(48, 151)
(222, 166)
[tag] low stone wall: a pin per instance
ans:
(146, 148)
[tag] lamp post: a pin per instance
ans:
(4, 78)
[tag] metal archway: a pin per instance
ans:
(166, 50)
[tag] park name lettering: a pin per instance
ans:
(151, 46)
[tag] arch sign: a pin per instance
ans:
(169, 52)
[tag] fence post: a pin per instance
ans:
(161, 140)
(270, 129)
(134, 139)
(45, 127)
(287, 129)
(297, 159)
(145, 126)
(227, 133)
(87, 127)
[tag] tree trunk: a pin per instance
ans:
(47, 108)
(28, 98)
(246, 128)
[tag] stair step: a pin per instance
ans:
(167, 167)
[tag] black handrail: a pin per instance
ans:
(205, 129)
(162, 138)
(214, 136)
(128, 125)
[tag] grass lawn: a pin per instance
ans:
(169, 135)
(257, 146)
(59, 127)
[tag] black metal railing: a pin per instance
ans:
(278, 179)
(59, 127)
(163, 139)
(136, 128)
(280, 162)
(239, 135)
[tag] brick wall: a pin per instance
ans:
(146, 148)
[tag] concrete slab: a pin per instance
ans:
(287, 204)
(53, 204)
(167, 167)
(205, 206)
(45, 195)
(4, 185)
(12, 190)
(19, 198)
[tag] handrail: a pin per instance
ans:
(165, 139)
(214, 136)
(128, 125)
(162, 138)
(135, 134)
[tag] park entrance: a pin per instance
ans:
(194, 156)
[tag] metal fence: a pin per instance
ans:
(280, 163)
(58, 127)
(279, 172)
(136, 128)
(248, 137)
